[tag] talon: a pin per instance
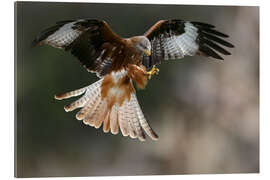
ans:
(157, 71)
(153, 71)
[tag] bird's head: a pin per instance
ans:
(143, 45)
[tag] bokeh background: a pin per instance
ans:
(205, 111)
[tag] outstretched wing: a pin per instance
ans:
(90, 40)
(174, 39)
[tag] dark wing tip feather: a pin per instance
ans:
(44, 34)
(208, 28)
(86, 23)
(215, 32)
(34, 42)
(209, 52)
(211, 41)
(206, 25)
(217, 39)
(215, 46)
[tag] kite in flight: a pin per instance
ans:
(119, 62)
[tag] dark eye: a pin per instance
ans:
(143, 46)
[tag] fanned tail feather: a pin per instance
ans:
(70, 94)
(123, 120)
(106, 123)
(96, 110)
(113, 118)
(147, 128)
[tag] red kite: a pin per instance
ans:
(120, 61)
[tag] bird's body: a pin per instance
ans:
(121, 61)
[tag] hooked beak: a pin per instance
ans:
(147, 52)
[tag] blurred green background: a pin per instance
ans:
(205, 111)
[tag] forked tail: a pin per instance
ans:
(97, 109)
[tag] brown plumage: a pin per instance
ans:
(119, 62)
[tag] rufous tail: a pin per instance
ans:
(96, 110)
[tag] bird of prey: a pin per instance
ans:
(119, 62)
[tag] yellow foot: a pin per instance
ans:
(153, 71)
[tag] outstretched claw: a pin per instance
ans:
(153, 71)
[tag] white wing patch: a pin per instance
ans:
(63, 36)
(187, 41)
(179, 38)
(176, 47)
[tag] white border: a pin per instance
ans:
(192, 2)
(7, 88)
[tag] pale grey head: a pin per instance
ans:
(143, 45)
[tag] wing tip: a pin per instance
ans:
(203, 24)
(47, 32)
(231, 45)
(34, 43)
(224, 35)
(219, 58)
